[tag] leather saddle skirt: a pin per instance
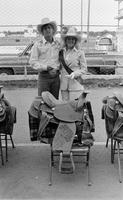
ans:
(64, 112)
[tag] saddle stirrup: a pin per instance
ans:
(61, 161)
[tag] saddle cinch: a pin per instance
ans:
(65, 119)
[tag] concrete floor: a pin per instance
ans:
(26, 174)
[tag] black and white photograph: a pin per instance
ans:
(61, 99)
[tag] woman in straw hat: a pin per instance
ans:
(75, 59)
(44, 58)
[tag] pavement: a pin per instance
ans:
(26, 175)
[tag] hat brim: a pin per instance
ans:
(52, 23)
(64, 36)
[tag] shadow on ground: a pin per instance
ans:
(26, 175)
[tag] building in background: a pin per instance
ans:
(107, 42)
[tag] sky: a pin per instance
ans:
(24, 12)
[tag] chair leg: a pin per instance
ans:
(119, 165)
(107, 142)
(1, 151)
(88, 168)
(51, 165)
(72, 162)
(112, 151)
(50, 172)
(60, 161)
(6, 147)
(115, 142)
(87, 160)
(13, 146)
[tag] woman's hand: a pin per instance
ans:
(74, 75)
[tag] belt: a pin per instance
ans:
(49, 75)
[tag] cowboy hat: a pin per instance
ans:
(44, 22)
(71, 33)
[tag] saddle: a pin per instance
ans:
(66, 117)
(2, 108)
(7, 116)
(112, 112)
(65, 112)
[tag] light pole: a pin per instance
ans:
(118, 13)
(88, 25)
(61, 12)
(81, 16)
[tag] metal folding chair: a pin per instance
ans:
(114, 130)
(82, 142)
(4, 138)
(1, 151)
(117, 148)
(64, 129)
(81, 151)
(6, 134)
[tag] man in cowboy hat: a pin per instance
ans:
(74, 58)
(44, 58)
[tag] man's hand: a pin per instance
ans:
(51, 71)
(49, 68)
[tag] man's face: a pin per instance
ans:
(48, 30)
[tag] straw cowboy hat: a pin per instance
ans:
(71, 33)
(44, 22)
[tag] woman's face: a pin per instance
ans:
(70, 42)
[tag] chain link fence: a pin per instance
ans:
(17, 35)
(72, 13)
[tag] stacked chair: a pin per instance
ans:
(69, 133)
(7, 120)
(112, 113)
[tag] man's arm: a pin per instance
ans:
(34, 59)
